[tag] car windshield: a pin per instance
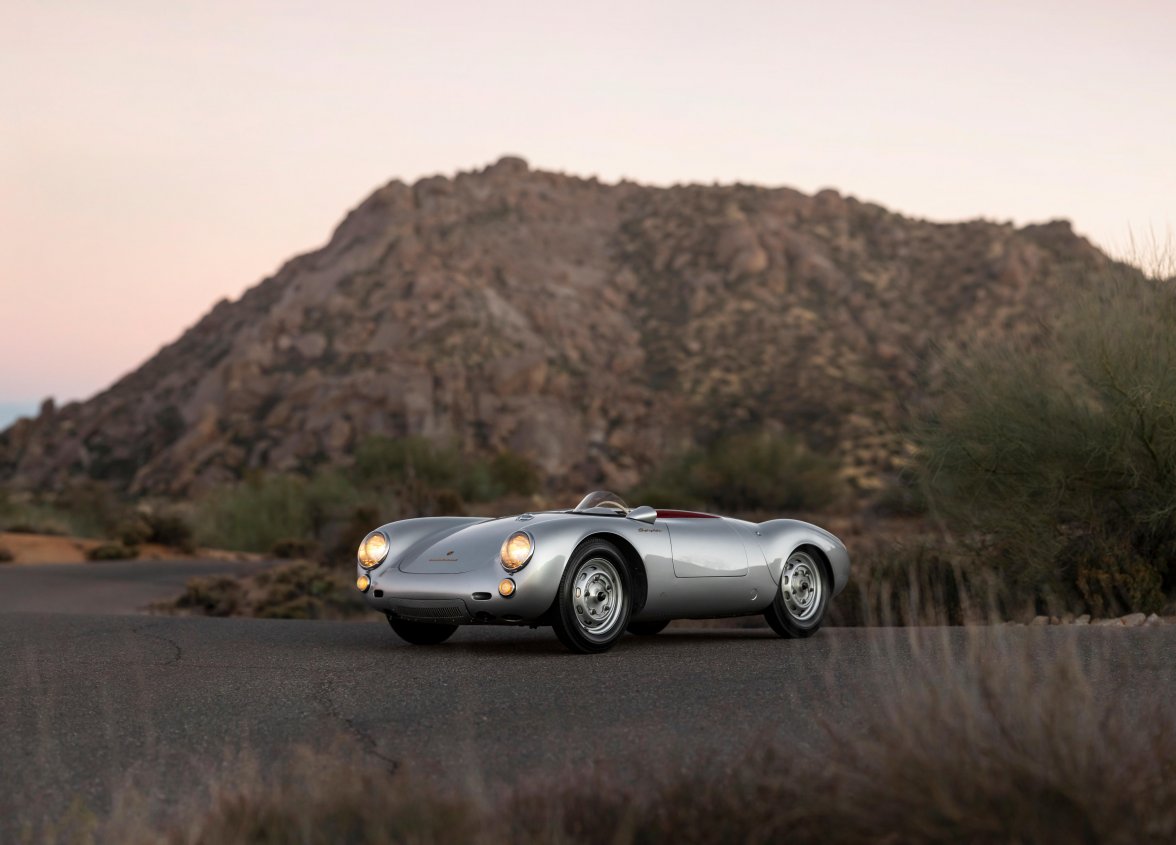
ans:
(604, 500)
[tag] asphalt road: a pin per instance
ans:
(93, 696)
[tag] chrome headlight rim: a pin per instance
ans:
(368, 560)
(502, 559)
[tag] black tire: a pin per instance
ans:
(648, 629)
(798, 609)
(587, 599)
(421, 633)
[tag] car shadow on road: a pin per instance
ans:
(503, 642)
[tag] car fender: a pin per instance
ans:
(779, 538)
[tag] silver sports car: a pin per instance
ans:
(597, 570)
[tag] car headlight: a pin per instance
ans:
(373, 550)
(516, 551)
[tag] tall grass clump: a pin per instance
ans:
(979, 743)
(1054, 461)
(746, 472)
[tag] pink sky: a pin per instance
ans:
(155, 157)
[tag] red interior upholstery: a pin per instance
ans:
(684, 515)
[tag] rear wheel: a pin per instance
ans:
(421, 633)
(803, 595)
(594, 599)
(648, 629)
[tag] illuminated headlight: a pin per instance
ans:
(373, 550)
(516, 551)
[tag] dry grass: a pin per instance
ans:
(987, 747)
(301, 590)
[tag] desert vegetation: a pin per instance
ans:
(325, 515)
(1039, 478)
(754, 471)
(301, 590)
(980, 745)
(1052, 463)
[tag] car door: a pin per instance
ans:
(704, 547)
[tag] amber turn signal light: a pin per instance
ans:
(363, 582)
(506, 588)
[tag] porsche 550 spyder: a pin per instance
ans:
(598, 570)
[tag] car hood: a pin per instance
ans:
(461, 549)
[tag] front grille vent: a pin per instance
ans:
(431, 611)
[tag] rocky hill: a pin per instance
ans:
(595, 328)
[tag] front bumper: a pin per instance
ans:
(461, 598)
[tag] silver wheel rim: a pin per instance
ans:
(597, 597)
(801, 587)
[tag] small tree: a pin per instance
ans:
(1056, 459)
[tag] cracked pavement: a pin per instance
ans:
(94, 697)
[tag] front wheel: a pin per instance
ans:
(594, 599)
(799, 606)
(421, 633)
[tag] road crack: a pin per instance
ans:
(141, 630)
(366, 741)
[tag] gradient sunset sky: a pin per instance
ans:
(155, 157)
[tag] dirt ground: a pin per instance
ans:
(31, 549)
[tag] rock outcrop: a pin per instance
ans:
(595, 328)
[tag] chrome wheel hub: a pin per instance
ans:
(801, 587)
(597, 596)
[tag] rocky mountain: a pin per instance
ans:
(595, 328)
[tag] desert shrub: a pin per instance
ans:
(901, 496)
(416, 470)
(305, 591)
(30, 528)
(1056, 460)
(133, 531)
(170, 528)
(265, 510)
(219, 595)
(759, 471)
(163, 526)
(291, 591)
(512, 474)
(296, 549)
(919, 583)
(6, 555)
(386, 463)
(112, 551)
(82, 509)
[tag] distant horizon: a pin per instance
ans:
(157, 158)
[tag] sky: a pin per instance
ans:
(156, 157)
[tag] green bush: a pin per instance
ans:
(165, 527)
(417, 470)
(758, 471)
(170, 528)
(265, 510)
(133, 532)
(334, 508)
(112, 551)
(82, 509)
(1056, 460)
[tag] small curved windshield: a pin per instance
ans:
(603, 499)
